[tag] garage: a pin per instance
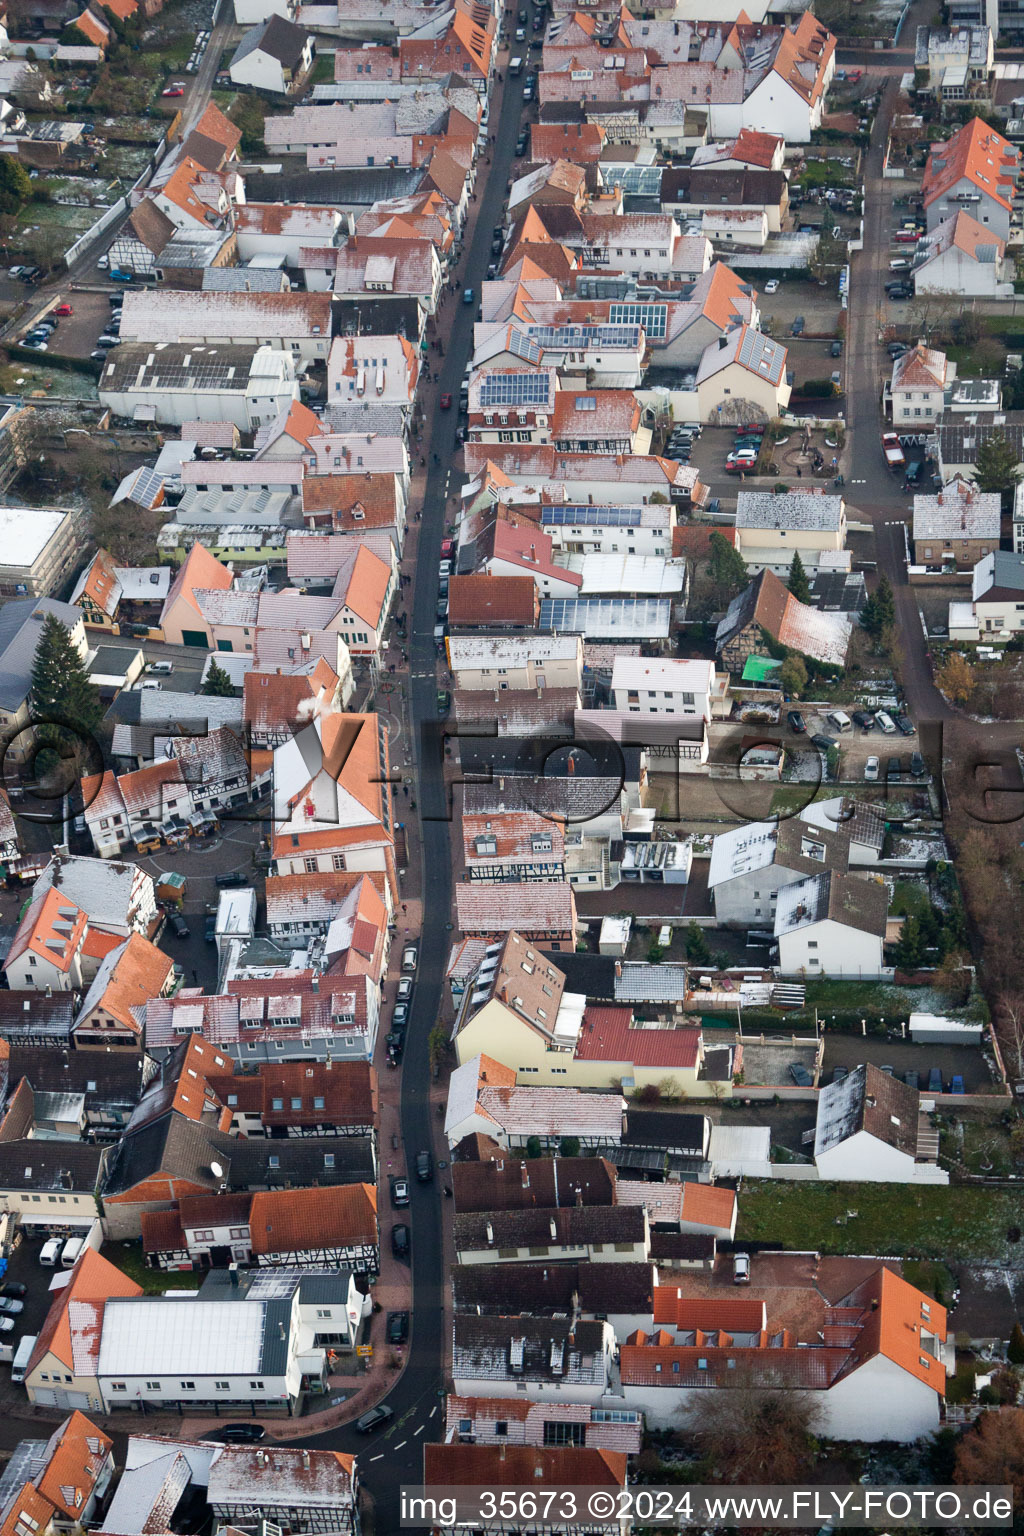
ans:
(57, 1397)
(196, 637)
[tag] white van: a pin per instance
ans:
(841, 721)
(899, 264)
(161, 668)
(72, 1252)
(22, 1356)
(50, 1253)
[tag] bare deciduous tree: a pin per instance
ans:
(752, 1430)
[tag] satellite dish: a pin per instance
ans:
(217, 1170)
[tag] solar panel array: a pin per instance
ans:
(590, 517)
(653, 317)
(147, 484)
(611, 617)
(521, 345)
(515, 389)
(761, 354)
(586, 335)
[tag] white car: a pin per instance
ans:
(871, 770)
(772, 285)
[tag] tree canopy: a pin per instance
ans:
(798, 583)
(218, 683)
(64, 702)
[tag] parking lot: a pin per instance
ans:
(76, 334)
(904, 1056)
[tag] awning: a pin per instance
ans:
(144, 413)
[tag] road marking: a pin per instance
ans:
(432, 1411)
(378, 1457)
(398, 1447)
(419, 1429)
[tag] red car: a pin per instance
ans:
(63, 309)
(446, 402)
(174, 90)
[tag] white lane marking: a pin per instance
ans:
(379, 1457)
(398, 1447)
(419, 1429)
(432, 1411)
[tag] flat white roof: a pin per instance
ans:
(154, 1336)
(25, 533)
(676, 676)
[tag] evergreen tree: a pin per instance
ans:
(798, 583)
(1015, 1350)
(64, 701)
(697, 951)
(909, 951)
(995, 466)
(879, 612)
(218, 683)
(793, 675)
(15, 184)
(728, 568)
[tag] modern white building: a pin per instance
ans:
(274, 56)
(751, 864)
(962, 256)
(516, 661)
(296, 323)
(919, 382)
(647, 685)
(171, 384)
(832, 925)
(188, 1354)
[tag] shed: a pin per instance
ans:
(934, 1029)
(614, 938)
(172, 887)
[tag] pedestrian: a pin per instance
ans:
(799, 473)
(405, 906)
(423, 459)
(195, 976)
(405, 789)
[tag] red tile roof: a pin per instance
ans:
(609, 1035)
(93, 1278)
(76, 1455)
(480, 599)
(975, 153)
(295, 1220)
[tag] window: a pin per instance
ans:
(187, 1386)
(205, 1235)
(557, 1433)
(296, 1103)
(222, 1386)
(273, 1162)
(256, 1386)
(311, 866)
(328, 1159)
(119, 1386)
(323, 1312)
(277, 1103)
(500, 1426)
(318, 1101)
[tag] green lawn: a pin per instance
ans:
(323, 70)
(130, 1262)
(953, 1225)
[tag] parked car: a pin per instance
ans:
(399, 1192)
(444, 702)
(231, 878)
(400, 1016)
(797, 328)
(10, 1306)
(400, 1240)
(885, 723)
(905, 725)
(394, 1040)
(824, 743)
(410, 957)
(796, 722)
(13, 1288)
(34, 346)
(238, 1434)
(836, 349)
(404, 989)
(173, 90)
(800, 1075)
(446, 401)
(772, 285)
(210, 933)
(892, 769)
(864, 719)
(398, 1327)
(468, 296)
(374, 1418)
(741, 1269)
(7, 1325)
(871, 770)
(178, 925)
(918, 766)
(424, 1167)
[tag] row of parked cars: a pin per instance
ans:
(934, 1079)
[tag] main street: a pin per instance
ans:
(388, 1459)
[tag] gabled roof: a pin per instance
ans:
(76, 1454)
(296, 1220)
(200, 571)
(53, 927)
(850, 900)
(978, 154)
(128, 977)
(93, 1279)
(871, 1101)
(920, 368)
(278, 38)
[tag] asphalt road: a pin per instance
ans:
(389, 1459)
